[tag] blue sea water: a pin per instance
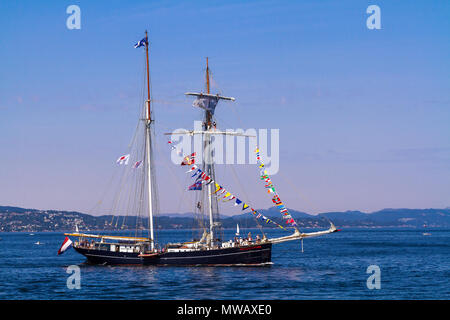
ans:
(413, 266)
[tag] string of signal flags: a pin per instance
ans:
(202, 179)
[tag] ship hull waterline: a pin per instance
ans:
(258, 254)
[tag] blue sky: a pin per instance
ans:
(363, 114)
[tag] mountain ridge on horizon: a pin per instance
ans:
(21, 219)
(268, 211)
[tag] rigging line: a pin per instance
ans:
(199, 198)
(135, 202)
(174, 103)
(199, 215)
(130, 191)
(140, 182)
(154, 195)
(164, 128)
(126, 192)
(141, 112)
(247, 197)
(171, 171)
(113, 205)
(136, 130)
(124, 176)
(237, 116)
(304, 198)
(102, 197)
(115, 202)
(183, 198)
(213, 83)
(130, 196)
(135, 176)
(141, 200)
(119, 193)
(136, 196)
(140, 194)
(222, 120)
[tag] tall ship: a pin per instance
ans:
(210, 248)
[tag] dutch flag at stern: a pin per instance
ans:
(65, 245)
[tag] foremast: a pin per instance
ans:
(208, 163)
(208, 102)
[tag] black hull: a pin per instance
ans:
(95, 256)
(259, 254)
(248, 255)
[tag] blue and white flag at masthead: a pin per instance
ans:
(140, 43)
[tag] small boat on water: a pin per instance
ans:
(211, 248)
(426, 234)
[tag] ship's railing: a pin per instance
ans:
(135, 247)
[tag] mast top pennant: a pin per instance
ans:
(141, 43)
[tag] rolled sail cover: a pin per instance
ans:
(207, 103)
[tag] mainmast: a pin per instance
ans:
(148, 135)
(148, 78)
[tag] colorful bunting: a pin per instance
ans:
(196, 186)
(229, 199)
(188, 160)
(222, 191)
(123, 159)
(202, 177)
(137, 164)
(192, 169)
(197, 172)
(218, 187)
(271, 189)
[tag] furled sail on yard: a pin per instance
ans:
(207, 103)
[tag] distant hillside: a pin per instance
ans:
(33, 220)
(392, 217)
